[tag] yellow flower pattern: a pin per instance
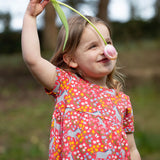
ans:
(89, 122)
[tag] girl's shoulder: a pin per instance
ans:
(64, 75)
(64, 79)
(122, 94)
(124, 98)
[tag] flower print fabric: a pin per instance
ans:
(89, 121)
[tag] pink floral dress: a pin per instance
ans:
(89, 122)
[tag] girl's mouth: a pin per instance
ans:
(104, 60)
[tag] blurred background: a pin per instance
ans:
(25, 110)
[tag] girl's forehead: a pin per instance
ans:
(89, 32)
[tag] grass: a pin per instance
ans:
(25, 110)
(145, 101)
(24, 129)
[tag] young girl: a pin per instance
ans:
(92, 118)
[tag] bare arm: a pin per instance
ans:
(42, 70)
(132, 146)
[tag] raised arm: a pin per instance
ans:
(42, 70)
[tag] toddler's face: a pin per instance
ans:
(89, 55)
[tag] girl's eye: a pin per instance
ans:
(92, 46)
(109, 42)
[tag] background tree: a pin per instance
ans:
(50, 30)
(132, 9)
(6, 20)
(74, 3)
(157, 10)
(103, 10)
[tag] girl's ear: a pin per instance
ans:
(70, 61)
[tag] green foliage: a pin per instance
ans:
(63, 19)
(10, 42)
(145, 101)
(135, 29)
(62, 16)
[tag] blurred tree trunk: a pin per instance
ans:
(132, 9)
(50, 30)
(157, 10)
(103, 10)
(6, 20)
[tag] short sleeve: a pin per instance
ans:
(62, 80)
(128, 121)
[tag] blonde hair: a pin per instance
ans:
(76, 27)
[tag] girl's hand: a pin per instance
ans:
(35, 7)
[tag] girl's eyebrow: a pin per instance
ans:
(95, 41)
(89, 43)
(108, 39)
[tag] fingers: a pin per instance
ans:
(35, 7)
(44, 3)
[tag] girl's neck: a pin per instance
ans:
(98, 81)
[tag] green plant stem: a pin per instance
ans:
(61, 3)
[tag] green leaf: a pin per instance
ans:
(62, 18)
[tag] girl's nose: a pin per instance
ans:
(110, 52)
(102, 48)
